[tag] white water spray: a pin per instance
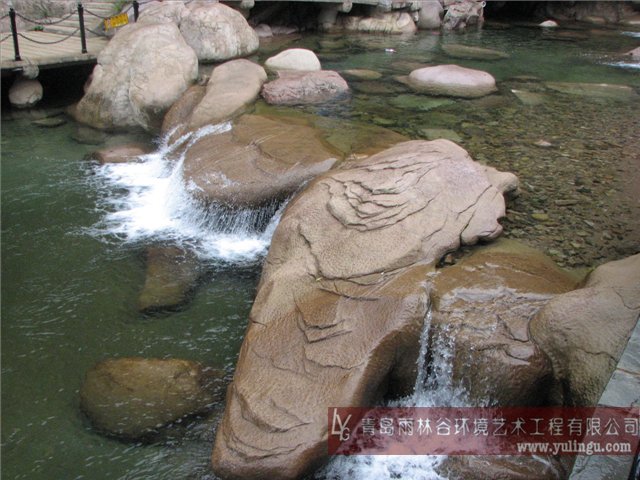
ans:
(148, 200)
(433, 388)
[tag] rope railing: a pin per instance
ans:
(80, 11)
(40, 42)
(45, 22)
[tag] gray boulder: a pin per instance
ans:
(25, 93)
(143, 70)
(453, 81)
(217, 33)
(293, 59)
(430, 15)
(296, 88)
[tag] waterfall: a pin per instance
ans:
(433, 387)
(148, 200)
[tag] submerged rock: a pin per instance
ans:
(473, 53)
(419, 102)
(584, 332)
(452, 80)
(217, 32)
(485, 304)
(361, 74)
(50, 122)
(261, 160)
(342, 299)
(293, 59)
(172, 274)
(436, 133)
(143, 70)
(296, 88)
(134, 397)
(595, 90)
(120, 154)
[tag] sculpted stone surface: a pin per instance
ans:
(217, 33)
(133, 397)
(584, 332)
(262, 159)
(143, 70)
(485, 303)
(295, 88)
(452, 80)
(342, 299)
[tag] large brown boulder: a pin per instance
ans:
(134, 397)
(260, 160)
(231, 88)
(143, 70)
(485, 304)
(296, 88)
(342, 299)
(585, 331)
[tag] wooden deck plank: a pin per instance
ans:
(66, 52)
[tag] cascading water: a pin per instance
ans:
(433, 388)
(149, 201)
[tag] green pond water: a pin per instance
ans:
(70, 286)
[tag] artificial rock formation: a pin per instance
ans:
(133, 397)
(453, 81)
(261, 160)
(139, 75)
(232, 87)
(298, 88)
(389, 22)
(584, 332)
(296, 59)
(120, 154)
(217, 32)
(485, 304)
(25, 93)
(342, 299)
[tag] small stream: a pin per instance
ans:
(74, 234)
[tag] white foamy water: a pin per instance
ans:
(632, 65)
(433, 388)
(148, 200)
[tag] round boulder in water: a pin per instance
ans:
(25, 93)
(133, 397)
(452, 81)
(296, 59)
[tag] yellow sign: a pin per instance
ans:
(117, 21)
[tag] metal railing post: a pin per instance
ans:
(83, 38)
(136, 10)
(14, 34)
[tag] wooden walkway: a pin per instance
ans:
(60, 54)
(57, 43)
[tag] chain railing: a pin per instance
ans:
(80, 11)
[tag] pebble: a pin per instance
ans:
(540, 216)
(566, 203)
(49, 122)
(543, 144)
